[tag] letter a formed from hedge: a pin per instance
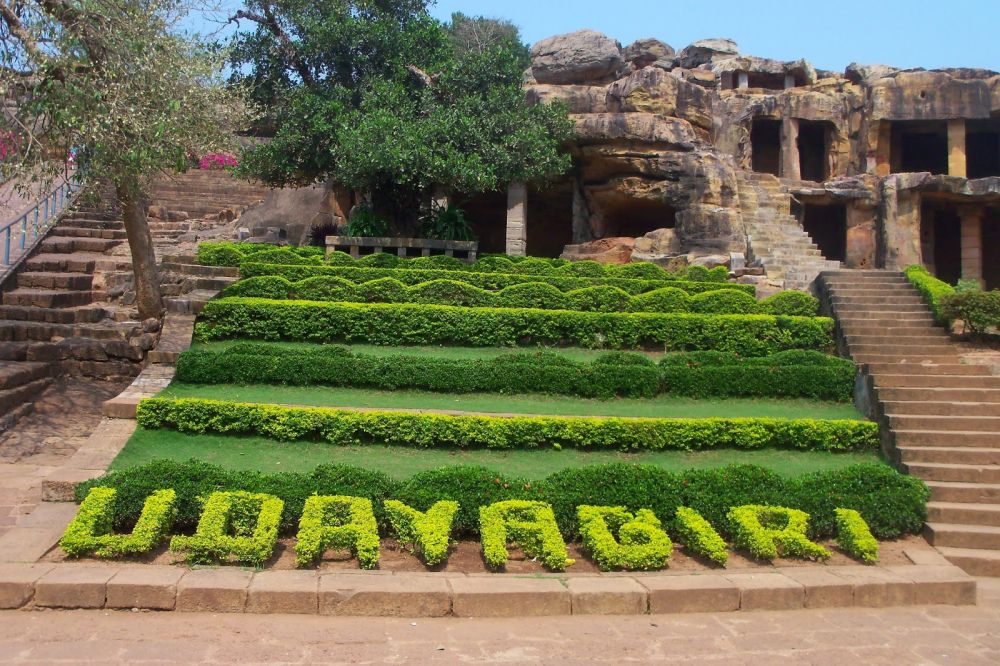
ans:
(429, 532)
(90, 530)
(768, 531)
(530, 525)
(337, 521)
(234, 525)
(619, 540)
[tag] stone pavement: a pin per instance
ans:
(967, 635)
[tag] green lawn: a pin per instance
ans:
(256, 453)
(661, 406)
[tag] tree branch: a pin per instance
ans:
(17, 29)
(291, 54)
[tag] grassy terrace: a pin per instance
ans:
(266, 455)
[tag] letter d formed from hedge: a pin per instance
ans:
(337, 521)
(429, 532)
(238, 525)
(767, 531)
(90, 529)
(530, 525)
(640, 544)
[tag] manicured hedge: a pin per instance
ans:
(979, 311)
(227, 253)
(786, 374)
(492, 281)
(539, 295)
(893, 504)
(931, 288)
(422, 430)
(402, 324)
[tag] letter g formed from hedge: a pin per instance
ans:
(619, 540)
(530, 525)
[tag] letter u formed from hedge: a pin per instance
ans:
(90, 531)
(768, 531)
(617, 539)
(429, 532)
(337, 521)
(530, 525)
(238, 525)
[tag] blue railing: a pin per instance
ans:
(31, 225)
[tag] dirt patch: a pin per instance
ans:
(466, 557)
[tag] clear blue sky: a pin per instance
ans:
(830, 34)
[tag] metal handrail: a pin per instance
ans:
(42, 216)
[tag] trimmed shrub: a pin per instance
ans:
(338, 258)
(638, 270)
(586, 268)
(450, 292)
(219, 254)
(540, 295)
(285, 256)
(90, 531)
(326, 289)
(618, 540)
(979, 311)
(412, 324)
(854, 536)
(379, 260)
(533, 266)
(264, 286)
(667, 299)
(346, 427)
(603, 298)
(931, 288)
(791, 303)
(768, 531)
(493, 265)
(428, 533)
(699, 537)
(238, 525)
(624, 358)
(383, 290)
(337, 521)
(529, 525)
(437, 262)
(724, 301)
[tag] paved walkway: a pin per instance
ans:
(915, 635)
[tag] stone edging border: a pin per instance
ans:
(383, 593)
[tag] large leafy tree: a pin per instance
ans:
(381, 98)
(113, 79)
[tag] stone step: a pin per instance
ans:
(859, 273)
(944, 423)
(199, 270)
(963, 513)
(873, 311)
(78, 262)
(954, 472)
(974, 562)
(930, 339)
(87, 314)
(180, 259)
(958, 455)
(953, 438)
(971, 493)
(32, 331)
(84, 223)
(859, 329)
(957, 535)
(874, 300)
(17, 396)
(905, 359)
(18, 373)
(941, 394)
(87, 213)
(926, 352)
(872, 289)
(80, 232)
(941, 408)
(191, 303)
(885, 381)
(67, 245)
(55, 280)
(47, 298)
(155, 225)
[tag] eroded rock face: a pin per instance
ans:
(605, 250)
(644, 52)
(653, 90)
(578, 99)
(582, 57)
(704, 51)
(930, 95)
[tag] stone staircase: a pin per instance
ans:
(200, 193)
(775, 240)
(940, 417)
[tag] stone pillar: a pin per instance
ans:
(883, 150)
(789, 81)
(972, 242)
(517, 219)
(861, 235)
(790, 167)
(956, 148)
(743, 80)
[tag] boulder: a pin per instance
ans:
(865, 74)
(711, 230)
(658, 242)
(644, 127)
(617, 250)
(705, 51)
(295, 211)
(709, 260)
(644, 52)
(654, 90)
(582, 57)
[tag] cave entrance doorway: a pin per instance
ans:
(814, 150)
(826, 224)
(550, 219)
(637, 217)
(991, 248)
(982, 148)
(919, 146)
(765, 146)
(487, 215)
(941, 241)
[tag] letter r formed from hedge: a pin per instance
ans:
(337, 521)
(768, 531)
(530, 525)
(90, 531)
(238, 525)
(429, 531)
(619, 540)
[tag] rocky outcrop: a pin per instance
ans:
(653, 90)
(644, 52)
(583, 57)
(578, 99)
(706, 51)
(604, 250)
(294, 211)
(920, 95)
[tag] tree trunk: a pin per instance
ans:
(140, 241)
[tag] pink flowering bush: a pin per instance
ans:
(217, 161)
